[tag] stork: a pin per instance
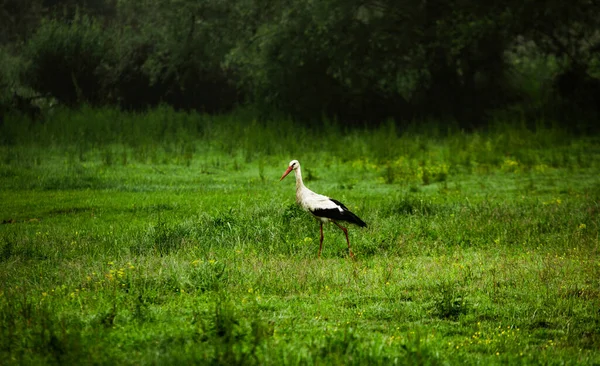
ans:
(323, 208)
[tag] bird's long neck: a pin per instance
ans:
(299, 184)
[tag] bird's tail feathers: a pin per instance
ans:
(355, 219)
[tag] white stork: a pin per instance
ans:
(323, 208)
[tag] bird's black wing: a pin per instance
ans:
(338, 215)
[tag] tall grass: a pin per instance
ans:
(423, 154)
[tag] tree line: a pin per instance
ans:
(356, 61)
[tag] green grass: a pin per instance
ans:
(167, 238)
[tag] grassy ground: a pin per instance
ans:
(167, 238)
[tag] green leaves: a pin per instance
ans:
(65, 59)
(350, 60)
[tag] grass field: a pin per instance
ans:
(164, 238)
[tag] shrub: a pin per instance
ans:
(64, 60)
(172, 55)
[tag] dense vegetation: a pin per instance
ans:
(166, 238)
(352, 60)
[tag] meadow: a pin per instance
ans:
(166, 238)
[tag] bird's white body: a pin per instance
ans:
(323, 208)
(311, 201)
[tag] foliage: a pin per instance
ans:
(8, 77)
(569, 33)
(19, 19)
(171, 55)
(65, 59)
(353, 61)
(362, 61)
(140, 59)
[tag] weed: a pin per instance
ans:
(449, 302)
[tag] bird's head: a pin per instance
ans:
(294, 164)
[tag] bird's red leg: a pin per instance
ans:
(348, 240)
(321, 242)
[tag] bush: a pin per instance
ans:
(65, 58)
(172, 55)
(9, 76)
(349, 60)
(14, 98)
(366, 62)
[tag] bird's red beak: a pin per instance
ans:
(289, 169)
